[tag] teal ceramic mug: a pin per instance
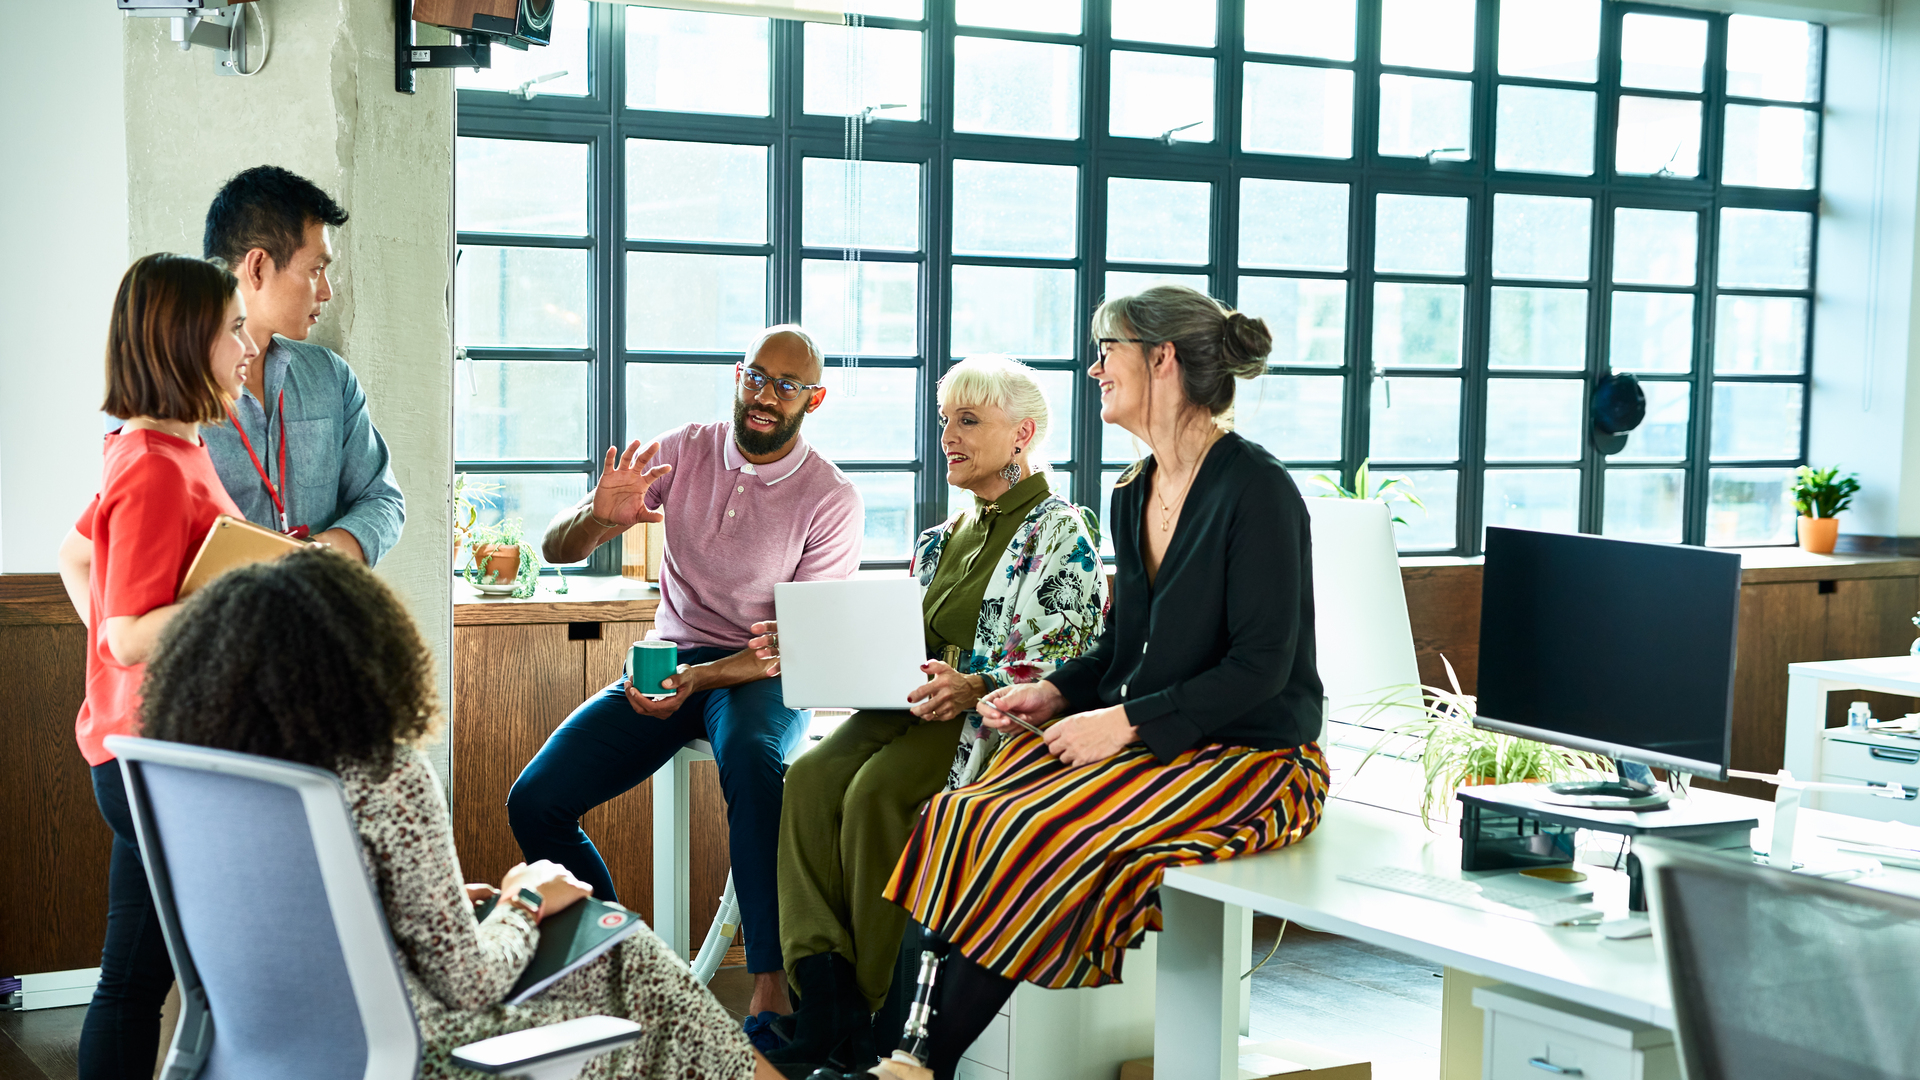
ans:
(650, 662)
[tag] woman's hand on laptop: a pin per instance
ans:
(945, 695)
(766, 644)
(1034, 702)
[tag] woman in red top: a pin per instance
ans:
(177, 356)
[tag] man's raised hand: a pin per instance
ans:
(621, 495)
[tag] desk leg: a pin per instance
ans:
(1196, 1016)
(672, 864)
(1806, 718)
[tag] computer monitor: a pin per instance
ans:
(1614, 647)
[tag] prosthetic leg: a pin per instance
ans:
(907, 1062)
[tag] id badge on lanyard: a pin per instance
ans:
(276, 494)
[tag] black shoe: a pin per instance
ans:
(832, 1011)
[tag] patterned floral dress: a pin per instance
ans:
(458, 970)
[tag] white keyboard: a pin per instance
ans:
(1488, 897)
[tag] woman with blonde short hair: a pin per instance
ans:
(1011, 586)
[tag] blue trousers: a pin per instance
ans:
(605, 749)
(121, 1034)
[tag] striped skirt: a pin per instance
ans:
(1048, 873)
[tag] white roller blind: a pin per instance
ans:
(821, 11)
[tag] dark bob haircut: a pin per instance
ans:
(309, 658)
(160, 340)
(269, 208)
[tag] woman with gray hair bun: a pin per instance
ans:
(1011, 586)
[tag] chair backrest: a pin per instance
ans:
(1363, 640)
(1781, 975)
(285, 965)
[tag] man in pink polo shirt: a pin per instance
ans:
(746, 504)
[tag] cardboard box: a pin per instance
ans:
(1279, 1059)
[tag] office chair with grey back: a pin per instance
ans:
(279, 945)
(1780, 975)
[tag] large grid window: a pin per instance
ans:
(1454, 215)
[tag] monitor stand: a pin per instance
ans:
(1635, 789)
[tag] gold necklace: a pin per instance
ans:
(1166, 511)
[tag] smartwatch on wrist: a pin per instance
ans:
(526, 900)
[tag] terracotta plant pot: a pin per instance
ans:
(503, 561)
(1817, 535)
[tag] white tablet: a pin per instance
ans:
(854, 644)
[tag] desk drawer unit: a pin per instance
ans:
(1531, 1036)
(1876, 761)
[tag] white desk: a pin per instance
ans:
(1196, 1020)
(1808, 685)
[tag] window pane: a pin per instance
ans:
(1416, 325)
(1322, 28)
(1162, 221)
(519, 186)
(534, 498)
(1422, 116)
(1117, 444)
(1128, 282)
(667, 397)
(1658, 137)
(520, 411)
(1773, 58)
(1654, 247)
(1541, 236)
(1645, 504)
(1057, 444)
(1427, 34)
(1535, 419)
(889, 528)
(521, 296)
(1046, 16)
(1651, 332)
(1156, 94)
(1293, 225)
(568, 53)
(1749, 506)
(711, 192)
(1760, 335)
(1541, 329)
(1533, 499)
(1765, 249)
(1420, 234)
(1662, 53)
(1105, 510)
(889, 300)
(1422, 424)
(1176, 22)
(1307, 112)
(874, 423)
(1307, 317)
(685, 61)
(1297, 417)
(1662, 436)
(889, 210)
(1770, 146)
(1008, 208)
(1550, 39)
(1756, 421)
(888, 63)
(1021, 311)
(695, 303)
(1431, 529)
(1016, 88)
(1547, 131)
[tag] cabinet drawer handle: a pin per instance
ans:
(1557, 1070)
(1894, 753)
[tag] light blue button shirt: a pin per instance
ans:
(341, 471)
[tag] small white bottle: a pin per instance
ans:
(1859, 715)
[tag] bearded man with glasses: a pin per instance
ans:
(746, 505)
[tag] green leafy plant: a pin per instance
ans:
(1393, 487)
(507, 532)
(1823, 493)
(469, 497)
(1454, 753)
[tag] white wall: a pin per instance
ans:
(63, 247)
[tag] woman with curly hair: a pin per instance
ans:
(312, 659)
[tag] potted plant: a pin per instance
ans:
(1455, 754)
(1819, 495)
(469, 496)
(502, 560)
(1393, 487)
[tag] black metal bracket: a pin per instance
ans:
(468, 51)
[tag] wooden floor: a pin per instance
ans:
(1329, 991)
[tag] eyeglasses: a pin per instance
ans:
(1101, 345)
(784, 389)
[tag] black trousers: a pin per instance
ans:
(121, 1036)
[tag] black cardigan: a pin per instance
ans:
(1230, 614)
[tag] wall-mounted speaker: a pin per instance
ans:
(513, 22)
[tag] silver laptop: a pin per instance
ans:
(854, 644)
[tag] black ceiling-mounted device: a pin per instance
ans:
(1619, 404)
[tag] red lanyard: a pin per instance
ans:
(278, 502)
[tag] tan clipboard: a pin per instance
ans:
(232, 542)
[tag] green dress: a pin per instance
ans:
(851, 801)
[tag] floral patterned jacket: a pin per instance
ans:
(1045, 604)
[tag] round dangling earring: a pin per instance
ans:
(1011, 474)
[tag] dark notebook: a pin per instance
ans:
(570, 939)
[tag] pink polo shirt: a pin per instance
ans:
(735, 529)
